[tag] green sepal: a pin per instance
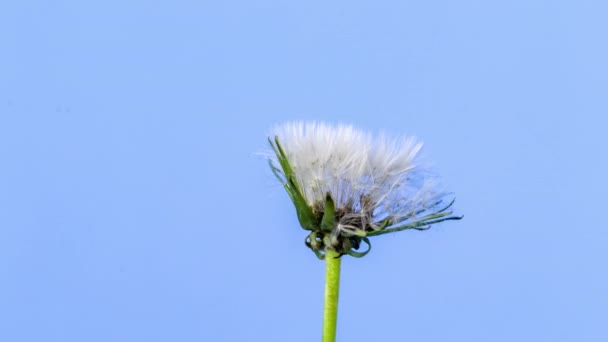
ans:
(447, 206)
(276, 173)
(422, 223)
(418, 225)
(319, 255)
(418, 212)
(328, 223)
(308, 243)
(352, 253)
(305, 213)
(385, 223)
(359, 232)
(354, 232)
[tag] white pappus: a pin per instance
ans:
(347, 185)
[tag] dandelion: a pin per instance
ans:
(348, 186)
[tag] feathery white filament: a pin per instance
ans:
(366, 177)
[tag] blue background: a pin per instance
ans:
(133, 206)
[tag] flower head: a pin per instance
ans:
(347, 185)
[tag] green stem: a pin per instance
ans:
(332, 288)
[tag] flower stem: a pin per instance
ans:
(332, 288)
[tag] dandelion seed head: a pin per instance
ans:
(348, 163)
(374, 182)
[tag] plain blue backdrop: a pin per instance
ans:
(133, 205)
